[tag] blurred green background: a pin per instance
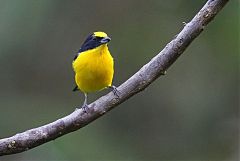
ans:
(191, 114)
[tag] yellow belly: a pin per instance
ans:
(94, 69)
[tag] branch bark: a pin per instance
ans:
(138, 82)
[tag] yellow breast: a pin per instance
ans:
(94, 69)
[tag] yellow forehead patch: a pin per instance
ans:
(100, 34)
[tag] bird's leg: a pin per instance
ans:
(85, 105)
(114, 90)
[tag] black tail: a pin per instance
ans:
(75, 88)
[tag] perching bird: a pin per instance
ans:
(94, 66)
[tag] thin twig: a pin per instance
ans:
(138, 82)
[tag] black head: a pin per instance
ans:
(94, 40)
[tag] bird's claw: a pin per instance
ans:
(115, 91)
(85, 108)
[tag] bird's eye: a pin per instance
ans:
(94, 38)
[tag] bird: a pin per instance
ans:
(94, 66)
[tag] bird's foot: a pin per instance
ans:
(84, 107)
(115, 91)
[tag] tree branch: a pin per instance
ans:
(138, 82)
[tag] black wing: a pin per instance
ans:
(75, 57)
(75, 88)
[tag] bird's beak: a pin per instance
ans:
(105, 40)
